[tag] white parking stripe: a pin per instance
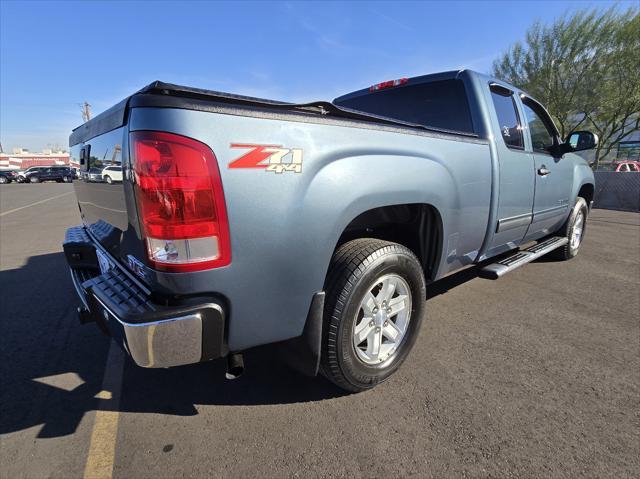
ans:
(36, 203)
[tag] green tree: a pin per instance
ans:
(585, 68)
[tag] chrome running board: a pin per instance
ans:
(522, 257)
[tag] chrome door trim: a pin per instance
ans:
(505, 224)
(550, 213)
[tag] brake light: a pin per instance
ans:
(388, 84)
(180, 202)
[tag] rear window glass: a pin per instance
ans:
(438, 104)
(508, 119)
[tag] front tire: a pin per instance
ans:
(3, 180)
(108, 179)
(375, 304)
(573, 229)
(66, 179)
(34, 179)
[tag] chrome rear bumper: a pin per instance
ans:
(154, 335)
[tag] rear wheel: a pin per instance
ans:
(3, 180)
(108, 179)
(573, 229)
(375, 304)
(66, 179)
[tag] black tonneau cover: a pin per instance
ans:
(116, 116)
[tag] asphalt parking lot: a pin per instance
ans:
(536, 374)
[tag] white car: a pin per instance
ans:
(111, 174)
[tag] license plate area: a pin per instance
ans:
(103, 261)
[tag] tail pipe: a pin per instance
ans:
(235, 366)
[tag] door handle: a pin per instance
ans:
(542, 171)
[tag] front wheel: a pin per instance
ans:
(66, 179)
(34, 179)
(3, 180)
(375, 305)
(573, 229)
(108, 179)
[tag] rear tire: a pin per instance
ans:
(108, 179)
(66, 179)
(574, 230)
(375, 292)
(3, 180)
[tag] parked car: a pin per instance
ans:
(7, 176)
(48, 173)
(93, 175)
(248, 221)
(111, 174)
(21, 173)
(627, 166)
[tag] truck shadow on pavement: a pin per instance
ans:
(53, 367)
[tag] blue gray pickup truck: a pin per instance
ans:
(241, 221)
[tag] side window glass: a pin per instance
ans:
(510, 126)
(541, 136)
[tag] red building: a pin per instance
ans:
(22, 159)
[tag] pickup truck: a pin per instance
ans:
(241, 221)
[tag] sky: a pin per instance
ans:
(55, 55)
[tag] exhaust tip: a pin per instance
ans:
(235, 366)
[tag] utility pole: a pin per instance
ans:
(86, 111)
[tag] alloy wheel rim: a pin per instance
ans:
(382, 320)
(578, 229)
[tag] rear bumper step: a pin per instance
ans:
(502, 267)
(155, 335)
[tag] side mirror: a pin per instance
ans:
(581, 140)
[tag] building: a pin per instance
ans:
(22, 158)
(629, 149)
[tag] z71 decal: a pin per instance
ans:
(268, 157)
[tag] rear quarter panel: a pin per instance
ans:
(284, 227)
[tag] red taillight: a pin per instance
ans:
(180, 202)
(388, 84)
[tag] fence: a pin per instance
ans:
(617, 191)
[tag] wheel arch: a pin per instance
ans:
(587, 191)
(583, 182)
(418, 226)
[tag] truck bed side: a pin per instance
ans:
(284, 226)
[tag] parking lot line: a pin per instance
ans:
(36, 203)
(102, 448)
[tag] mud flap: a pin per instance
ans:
(303, 353)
